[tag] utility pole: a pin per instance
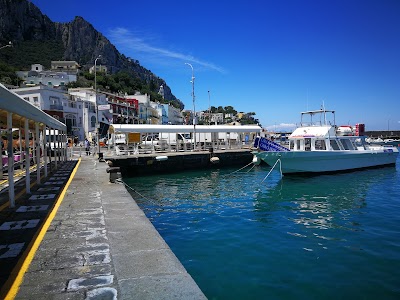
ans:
(194, 106)
(97, 108)
(209, 109)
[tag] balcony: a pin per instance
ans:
(56, 107)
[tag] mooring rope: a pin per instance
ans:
(119, 180)
(240, 169)
(280, 169)
(251, 168)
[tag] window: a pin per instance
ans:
(35, 99)
(307, 144)
(320, 145)
(334, 145)
(359, 143)
(93, 121)
(347, 145)
(26, 99)
(54, 100)
(71, 119)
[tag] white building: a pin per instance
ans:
(38, 76)
(99, 68)
(75, 108)
(173, 115)
(85, 101)
(161, 113)
(67, 66)
(217, 118)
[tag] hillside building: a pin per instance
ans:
(39, 76)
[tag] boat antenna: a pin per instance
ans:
(307, 100)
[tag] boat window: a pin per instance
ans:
(298, 145)
(359, 143)
(347, 145)
(291, 145)
(334, 145)
(307, 144)
(320, 145)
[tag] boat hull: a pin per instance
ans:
(328, 161)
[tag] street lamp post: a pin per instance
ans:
(96, 105)
(209, 109)
(8, 45)
(194, 107)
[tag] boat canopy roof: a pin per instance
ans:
(150, 128)
(313, 112)
(324, 118)
(312, 131)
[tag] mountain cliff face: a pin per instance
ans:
(22, 21)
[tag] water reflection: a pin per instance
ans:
(332, 226)
(321, 207)
(322, 202)
(311, 201)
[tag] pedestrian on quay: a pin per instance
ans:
(87, 146)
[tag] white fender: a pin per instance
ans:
(161, 158)
(256, 160)
(214, 160)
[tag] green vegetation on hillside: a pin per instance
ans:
(23, 54)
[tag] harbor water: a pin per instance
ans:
(323, 237)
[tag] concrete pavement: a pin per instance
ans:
(100, 245)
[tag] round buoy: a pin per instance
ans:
(214, 160)
(161, 158)
(256, 160)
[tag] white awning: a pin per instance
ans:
(22, 109)
(149, 128)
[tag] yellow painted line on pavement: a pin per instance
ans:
(26, 259)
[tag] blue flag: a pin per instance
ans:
(268, 145)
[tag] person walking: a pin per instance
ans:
(87, 146)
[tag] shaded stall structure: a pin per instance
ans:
(136, 138)
(21, 120)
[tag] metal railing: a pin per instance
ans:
(56, 107)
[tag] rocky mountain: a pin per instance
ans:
(22, 22)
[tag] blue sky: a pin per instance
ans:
(275, 58)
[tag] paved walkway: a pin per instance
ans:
(100, 245)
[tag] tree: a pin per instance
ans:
(230, 110)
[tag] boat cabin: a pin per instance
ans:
(323, 138)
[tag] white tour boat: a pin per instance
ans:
(320, 147)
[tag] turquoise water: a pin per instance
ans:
(324, 237)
